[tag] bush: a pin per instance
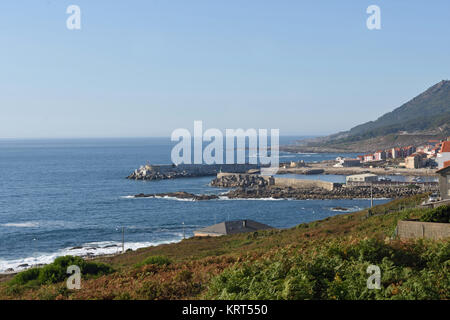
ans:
(338, 270)
(155, 260)
(57, 271)
(439, 214)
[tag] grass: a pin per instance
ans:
(324, 259)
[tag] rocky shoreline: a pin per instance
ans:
(179, 195)
(360, 192)
(273, 192)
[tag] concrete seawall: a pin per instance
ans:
(227, 180)
(417, 229)
(304, 184)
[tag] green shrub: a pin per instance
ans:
(57, 271)
(339, 271)
(156, 260)
(25, 276)
(439, 214)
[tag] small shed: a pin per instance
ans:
(366, 177)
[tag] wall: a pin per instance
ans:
(205, 169)
(286, 182)
(304, 184)
(444, 187)
(417, 229)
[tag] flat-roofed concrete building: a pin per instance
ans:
(231, 227)
(347, 162)
(365, 177)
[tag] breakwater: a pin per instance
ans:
(231, 180)
(256, 186)
(166, 171)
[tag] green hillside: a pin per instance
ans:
(427, 111)
(325, 259)
(425, 117)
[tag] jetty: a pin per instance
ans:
(172, 171)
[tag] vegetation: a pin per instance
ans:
(156, 260)
(439, 214)
(56, 272)
(427, 115)
(338, 271)
(428, 110)
(325, 259)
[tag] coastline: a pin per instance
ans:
(328, 169)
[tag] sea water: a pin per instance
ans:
(61, 197)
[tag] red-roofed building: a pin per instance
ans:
(445, 146)
(443, 155)
(379, 155)
(447, 164)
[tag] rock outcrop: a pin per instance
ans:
(240, 181)
(179, 195)
(160, 172)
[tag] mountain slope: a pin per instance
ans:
(427, 110)
(425, 117)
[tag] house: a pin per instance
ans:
(413, 161)
(366, 177)
(347, 162)
(368, 158)
(379, 155)
(433, 142)
(443, 155)
(409, 150)
(444, 181)
(231, 227)
(396, 153)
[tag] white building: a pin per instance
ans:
(366, 177)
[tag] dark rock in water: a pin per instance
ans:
(9, 270)
(75, 248)
(111, 246)
(178, 195)
(340, 209)
(129, 250)
(23, 265)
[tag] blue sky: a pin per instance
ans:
(145, 68)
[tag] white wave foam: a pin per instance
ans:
(175, 198)
(87, 249)
(159, 197)
(373, 199)
(28, 224)
(253, 199)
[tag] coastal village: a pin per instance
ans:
(431, 155)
